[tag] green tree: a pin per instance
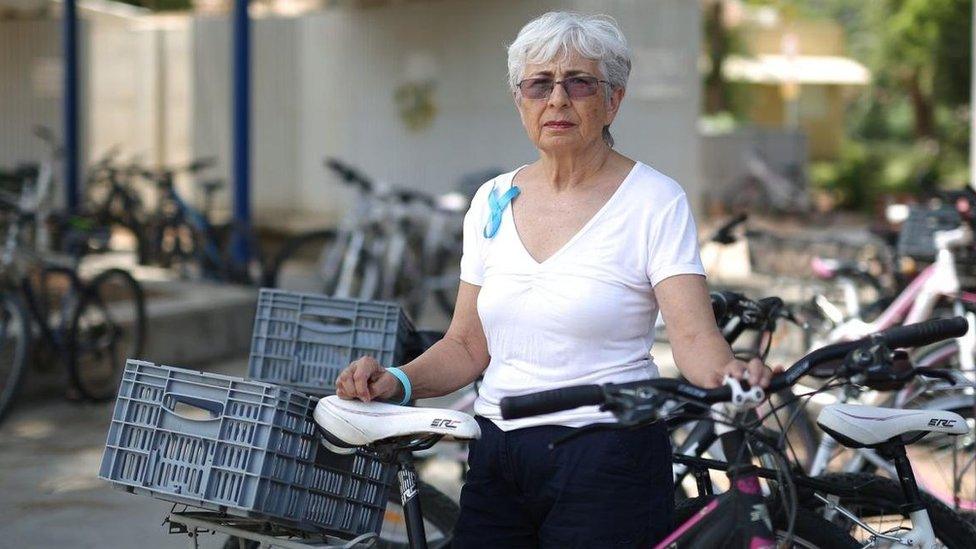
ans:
(918, 50)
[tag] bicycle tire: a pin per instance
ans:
(880, 496)
(294, 255)
(809, 530)
(94, 333)
(19, 320)
(229, 270)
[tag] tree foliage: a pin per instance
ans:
(910, 130)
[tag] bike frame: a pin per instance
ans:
(745, 492)
(918, 300)
(916, 303)
(922, 535)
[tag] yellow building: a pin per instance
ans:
(798, 75)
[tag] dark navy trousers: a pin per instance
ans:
(606, 488)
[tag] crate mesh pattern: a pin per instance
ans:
(305, 340)
(242, 447)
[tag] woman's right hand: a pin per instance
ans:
(366, 380)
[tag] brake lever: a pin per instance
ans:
(788, 314)
(948, 375)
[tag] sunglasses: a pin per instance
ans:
(577, 87)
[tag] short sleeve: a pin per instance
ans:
(472, 249)
(673, 243)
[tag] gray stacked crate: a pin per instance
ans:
(241, 447)
(305, 340)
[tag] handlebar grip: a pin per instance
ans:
(924, 333)
(554, 400)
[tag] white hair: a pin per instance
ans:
(558, 33)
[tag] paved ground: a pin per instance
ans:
(50, 496)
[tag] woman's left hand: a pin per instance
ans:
(750, 371)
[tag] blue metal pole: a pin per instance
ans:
(69, 44)
(241, 130)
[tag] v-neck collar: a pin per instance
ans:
(586, 226)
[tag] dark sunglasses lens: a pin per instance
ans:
(536, 88)
(580, 87)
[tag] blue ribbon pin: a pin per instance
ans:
(497, 205)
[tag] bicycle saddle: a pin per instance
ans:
(857, 426)
(349, 424)
(828, 269)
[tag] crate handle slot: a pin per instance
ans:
(325, 323)
(188, 407)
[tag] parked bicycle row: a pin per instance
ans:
(754, 452)
(393, 243)
(51, 314)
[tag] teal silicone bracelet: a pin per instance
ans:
(404, 380)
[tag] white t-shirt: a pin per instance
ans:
(586, 314)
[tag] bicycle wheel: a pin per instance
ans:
(14, 348)
(109, 326)
(301, 263)
(878, 501)
(440, 515)
(809, 530)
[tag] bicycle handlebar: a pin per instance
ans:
(566, 398)
(349, 174)
(723, 235)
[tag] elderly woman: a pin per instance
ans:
(566, 263)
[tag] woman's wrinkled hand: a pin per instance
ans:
(754, 371)
(366, 380)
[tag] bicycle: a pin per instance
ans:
(90, 327)
(762, 186)
(113, 202)
(393, 244)
(707, 521)
(183, 237)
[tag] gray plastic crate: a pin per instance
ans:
(305, 340)
(241, 447)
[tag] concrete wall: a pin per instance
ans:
(126, 101)
(324, 86)
(724, 156)
(140, 80)
(30, 86)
